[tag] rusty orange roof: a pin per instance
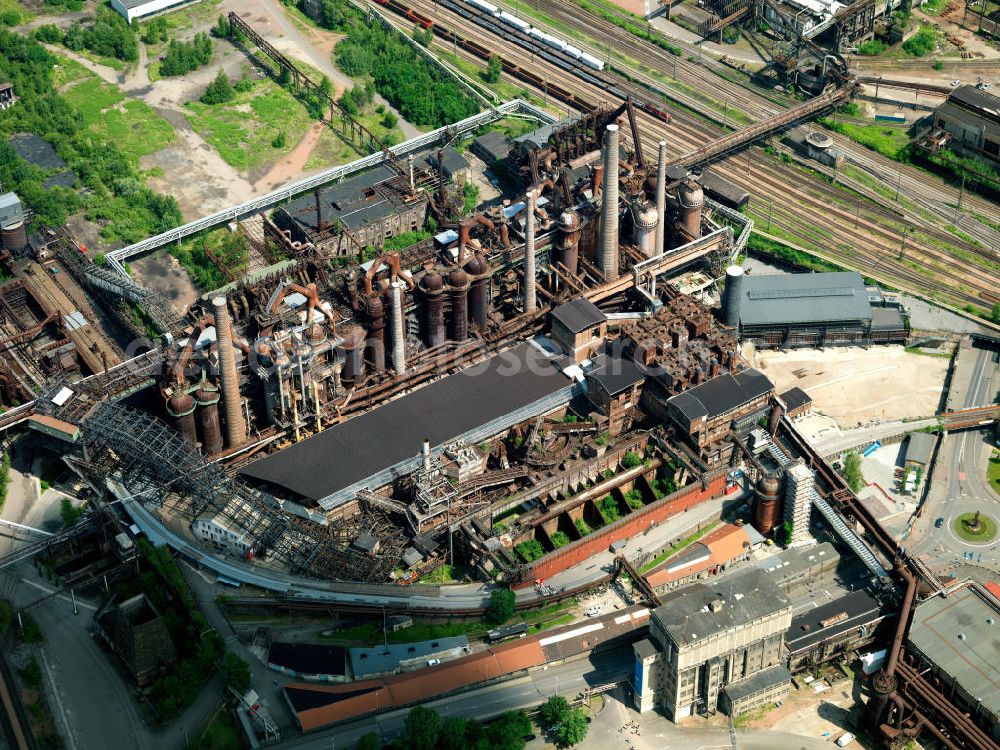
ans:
(721, 546)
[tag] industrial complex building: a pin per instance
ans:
(707, 640)
(815, 309)
(969, 122)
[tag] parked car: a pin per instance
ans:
(593, 611)
(956, 82)
(433, 662)
(939, 523)
(845, 739)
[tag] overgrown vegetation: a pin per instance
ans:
(530, 550)
(872, 47)
(566, 725)
(607, 506)
(891, 142)
(783, 252)
(559, 539)
(4, 477)
(922, 43)
(583, 527)
(426, 730)
(851, 471)
(631, 459)
(633, 499)
(117, 199)
(70, 513)
(183, 57)
(195, 255)
(199, 648)
(638, 27)
(421, 93)
(108, 36)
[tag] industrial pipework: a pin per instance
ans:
(608, 257)
(236, 432)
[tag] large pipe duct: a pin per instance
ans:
(398, 328)
(236, 430)
(529, 252)
(661, 197)
(207, 397)
(608, 256)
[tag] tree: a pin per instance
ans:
(553, 711)
(369, 741)
(423, 725)
(501, 606)
(69, 512)
(219, 90)
(787, 529)
(279, 141)
(453, 734)
(852, 471)
(236, 673)
(571, 730)
(325, 87)
(222, 28)
(508, 730)
(995, 314)
(494, 69)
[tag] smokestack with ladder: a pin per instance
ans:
(661, 197)
(236, 431)
(529, 252)
(427, 456)
(398, 342)
(608, 257)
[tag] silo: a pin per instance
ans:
(207, 397)
(691, 198)
(432, 287)
(767, 504)
(731, 296)
(645, 221)
(375, 311)
(180, 407)
(458, 324)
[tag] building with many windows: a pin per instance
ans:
(714, 645)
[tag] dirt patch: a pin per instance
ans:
(293, 165)
(855, 386)
(159, 272)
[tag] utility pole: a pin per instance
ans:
(961, 196)
(899, 178)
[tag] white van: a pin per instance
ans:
(845, 739)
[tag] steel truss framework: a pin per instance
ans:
(159, 467)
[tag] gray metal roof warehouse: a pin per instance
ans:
(375, 448)
(778, 299)
(960, 633)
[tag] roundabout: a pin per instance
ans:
(976, 527)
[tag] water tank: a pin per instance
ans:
(14, 238)
(731, 296)
(767, 504)
(432, 287)
(645, 220)
(569, 224)
(458, 329)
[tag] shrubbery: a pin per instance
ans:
(921, 43)
(183, 57)
(872, 47)
(109, 35)
(530, 550)
(219, 91)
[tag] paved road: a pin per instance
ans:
(959, 482)
(838, 442)
(485, 703)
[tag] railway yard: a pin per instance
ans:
(573, 396)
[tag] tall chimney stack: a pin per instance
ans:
(608, 257)
(661, 197)
(236, 430)
(398, 341)
(529, 252)
(409, 161)
(427, 455)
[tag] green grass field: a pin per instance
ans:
(987, 528)
(69, 71)
(8, 5)
(242, 130)
(222, 733)
(131, 124)
(994, 474)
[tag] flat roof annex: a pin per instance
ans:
(348, 453)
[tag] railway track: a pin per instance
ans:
(870, 241)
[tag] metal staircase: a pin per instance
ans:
(840, 528)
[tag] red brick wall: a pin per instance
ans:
(635, 523)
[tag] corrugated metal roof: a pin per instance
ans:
(980, 99)
(721, 394)
(579, 315)
(775, 299)
(919, 447)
